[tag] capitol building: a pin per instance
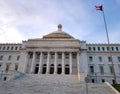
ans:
(59, 53)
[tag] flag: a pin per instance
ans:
(99, 7)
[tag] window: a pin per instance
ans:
(18, 57)
(9, 57)
(117, 49)
(103, 48)
(30, 55)
(59, 55)
(37, 55)
(112, 48)
(89, 48)
(66, 55)
(16, 67)
(4, 48)
(111, 69)
(100, 59)
(51, 55)
(45, 55)
(98, 48)
(74, 56)
(7, 48)
(94, 49)
(12, 48)
(1, 57)
(101, 69)
(7, 67)
(107, 48)
(109, 59)
(90, 58)
(16, 48)
(0, 47)
(92, 69)
(118, 58)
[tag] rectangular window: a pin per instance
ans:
(94, 48)
(37, 55)
(103, 48)
(91, 69)
(89, 48)
(101, 69)
(74, 56)
(111, 69)
(107, 48)
(16, 67)
(45, 55)
(4, 48)
(7, 67)
(109, 59)
(1, 57)
(100, 59)
(18, 58)
(52, 55)
(117, 49)
(112, 48)
(66, 55)
(59, 55)
(9, 58)
(98, 48)
(118, 58)
(90, 58)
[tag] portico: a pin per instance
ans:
(52, 62)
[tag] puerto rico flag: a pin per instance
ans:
(98, 8)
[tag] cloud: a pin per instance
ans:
(35, 18)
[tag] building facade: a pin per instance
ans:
(58, 53)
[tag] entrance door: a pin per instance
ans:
(59, 70)
(67, 69)
(51, 68)
(36, 69)
(44, 69)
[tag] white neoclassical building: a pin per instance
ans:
(58, 53)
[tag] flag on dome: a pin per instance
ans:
(99, 7)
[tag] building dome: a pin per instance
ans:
(59, 34)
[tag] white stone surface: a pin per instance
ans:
(31, 85)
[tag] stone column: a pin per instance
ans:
(63, 66)
(78, 66)
(48, 60)
(70, 60)
(40, 63)
(33, 63)
(55, 63)
(26, 63)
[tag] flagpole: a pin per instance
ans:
(114, 75)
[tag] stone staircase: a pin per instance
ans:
(58, 79)
(51, 84)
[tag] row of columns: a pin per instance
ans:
(55, 63)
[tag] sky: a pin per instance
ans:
(28, 19)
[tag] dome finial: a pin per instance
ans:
(59, 27)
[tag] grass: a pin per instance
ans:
(116, 86)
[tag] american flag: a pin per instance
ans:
(98, 8)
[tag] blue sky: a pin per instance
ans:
(24, 19)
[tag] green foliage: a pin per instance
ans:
(116, 86)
